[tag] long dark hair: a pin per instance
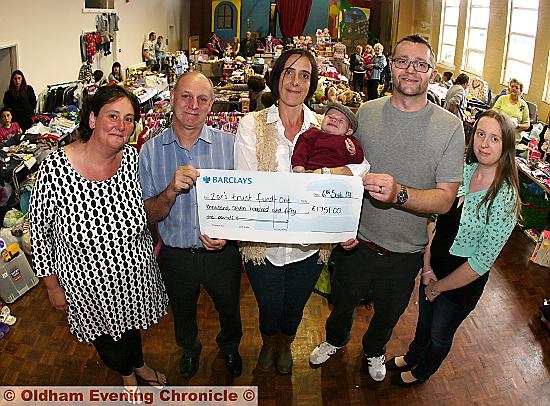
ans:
(22, 91)
(506, 165)
(104, 95)
(279, 67)
(116, 65)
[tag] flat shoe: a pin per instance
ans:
(392, 366)
(152, 382)
(398, 380)
(5, 311)
(9, 320)
(4, 328)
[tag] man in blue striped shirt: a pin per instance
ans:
(168, 167)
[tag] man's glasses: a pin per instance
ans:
(419, 66)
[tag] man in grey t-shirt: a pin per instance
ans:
(416, 153)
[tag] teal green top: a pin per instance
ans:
(478, 240)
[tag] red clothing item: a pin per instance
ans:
(6, 132)
(316, 149)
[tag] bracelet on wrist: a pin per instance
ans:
(426, 273)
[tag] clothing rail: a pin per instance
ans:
(72, 82)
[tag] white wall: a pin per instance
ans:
(47, 32)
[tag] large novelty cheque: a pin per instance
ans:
(277, 207)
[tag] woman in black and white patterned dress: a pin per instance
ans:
(90, 241)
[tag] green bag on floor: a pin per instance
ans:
(323, 283)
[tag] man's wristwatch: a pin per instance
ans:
(325, 170)
(402, 196)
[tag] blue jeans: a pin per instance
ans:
(282, 292)
(435, 329)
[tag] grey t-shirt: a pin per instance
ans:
(418, 149)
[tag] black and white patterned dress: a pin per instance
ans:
(93, 235)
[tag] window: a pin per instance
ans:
(522, 31)
(449, 27)
(476, 36)
(225, 17)
(95, 5)
(547, 88)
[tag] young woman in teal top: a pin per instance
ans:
(460, 254)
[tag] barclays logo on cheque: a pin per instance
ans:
(227, 179)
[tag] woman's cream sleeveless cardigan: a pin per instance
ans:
(266, 147)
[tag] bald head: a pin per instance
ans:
(194, 76)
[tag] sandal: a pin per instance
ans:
(155, 383)
(133, 395)
(6, 317)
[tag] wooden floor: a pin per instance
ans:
(501, 354)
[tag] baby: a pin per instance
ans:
(332, 145)
(8, 129)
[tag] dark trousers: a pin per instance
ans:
(391, 279)
(219, 272)
(122, 355)
(358, 81)
(282, 292)
(372, 88)
(436, 327)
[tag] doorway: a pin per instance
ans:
(8, 63)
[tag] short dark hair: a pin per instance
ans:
(267, 99)
(104, 95)
(3, 109)
(448, 74)
(279, 66)
(255, 83)
(461, 79)
(98, 75)
(416, 39)
(151, 34)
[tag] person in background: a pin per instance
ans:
(148, 50)
(248, 46)
(416, 150)
(169, 165)
(386, 74)
(375, 68)
(256, 88)
(282, 275)
(455, 99)
(235, 47)
(99, 80)
(116, 75)
(90, 241)
(464, 246)
(20, 98)
(357, 67)
(160, 50)
(8, 128)
(214, 46)
(515, 107)
(446, 79)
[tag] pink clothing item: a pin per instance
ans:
(6, 132)
(316, 149)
